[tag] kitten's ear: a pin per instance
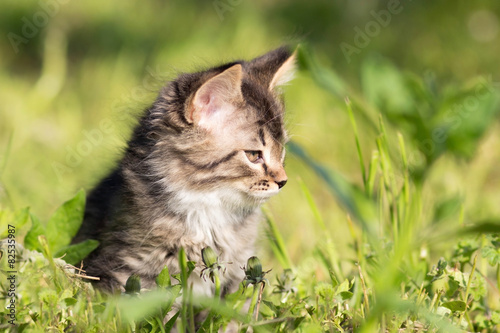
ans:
(207, 105)
(275, 68)
(285, 72)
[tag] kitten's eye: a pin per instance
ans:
(254, 156)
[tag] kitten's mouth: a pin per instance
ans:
(264, 195)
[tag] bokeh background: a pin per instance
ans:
(74, 74)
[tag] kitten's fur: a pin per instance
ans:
(203, 158)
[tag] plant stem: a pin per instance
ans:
(217, 286)
(255, 295)
(191, 310)
(185, 291)
(259, 299)
(212, 313)
(365, 293)
(466, 296)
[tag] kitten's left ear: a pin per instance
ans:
(209, 104)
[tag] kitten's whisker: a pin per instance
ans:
(302, 136)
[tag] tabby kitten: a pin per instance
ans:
(201, 161)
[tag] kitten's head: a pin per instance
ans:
(222, 129)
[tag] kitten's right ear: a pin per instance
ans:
(274, 68)
(285, 72)
(207, 106)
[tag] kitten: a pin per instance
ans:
(201, 161)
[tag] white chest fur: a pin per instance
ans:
(213, 219)
(209, 216)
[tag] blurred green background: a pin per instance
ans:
(74, 73)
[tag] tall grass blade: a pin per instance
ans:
(185, 291)
(333, 259)
(276, 240)
(356, 138)
(312, 205)
(372, 173)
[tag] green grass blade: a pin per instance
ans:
(356, 138)
(372, 173)
(333, 260)
(312, 205)
(277, 243)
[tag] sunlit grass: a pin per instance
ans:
(383, 226)
(391, 279)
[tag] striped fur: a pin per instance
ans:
(203, 158)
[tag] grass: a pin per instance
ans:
(420, 263)
(389, 221)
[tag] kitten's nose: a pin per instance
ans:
(281, 183)
(279, 177)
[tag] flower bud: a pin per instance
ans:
(254, 268)
(133, 285)
(209, 257)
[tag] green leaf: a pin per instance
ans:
(470, 115)
(492, 254)
(31, 238)
(211, 324)
(455, 305)
(447, 208)
(22, 217)
(75, 253)
(437, 272)
(344, 286)
(17, 219)
(271, 306)
(163, 279)
(324, 290)
(98, 308)
(65, 222)
(70, 301)
(171, 322)
(346, 295)
(384, 86)
(173, 292)
(191, 265)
